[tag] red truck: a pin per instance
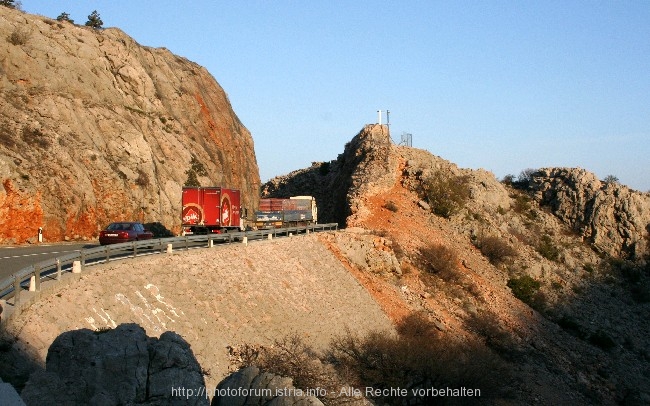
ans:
(211, 210)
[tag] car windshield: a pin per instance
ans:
(119, 226)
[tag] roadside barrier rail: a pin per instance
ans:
(31, 275)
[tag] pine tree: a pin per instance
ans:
(8, 3)
(65, 17)
(94, 20)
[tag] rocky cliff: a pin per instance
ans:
(611, 216)
(95, 128)
(502, 281)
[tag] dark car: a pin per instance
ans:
(124, 231)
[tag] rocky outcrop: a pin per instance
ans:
(485, 191)
(368, 252)
(96, 128)
(369, 164)
(611, 216)
(365, 165)
(251, 387)
(115, 367)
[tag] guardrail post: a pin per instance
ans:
(32, 283)
(186, 244)
(170, 248)
(37, 278)
(76, 266)
(108, 254)
(210, 242)
(270, 236)
(58, 269)
(135, 250)
(244, 240)
(83, 260)
(17, 289)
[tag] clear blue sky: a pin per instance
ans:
(499, 85)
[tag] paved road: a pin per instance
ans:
(13, 258)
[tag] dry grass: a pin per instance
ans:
(441, 261)
(418, 357)
(18, 36)
(495, 249)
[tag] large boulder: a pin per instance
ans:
(118, 366)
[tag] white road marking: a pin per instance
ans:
(38, 253)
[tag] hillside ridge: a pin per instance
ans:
(551, 273)
(96, 128)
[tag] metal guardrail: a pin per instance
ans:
(13, 285)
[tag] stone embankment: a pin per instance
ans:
(213, 298)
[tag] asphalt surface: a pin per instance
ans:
(14, 258)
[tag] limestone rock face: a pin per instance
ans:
(116, 367)
(614, 218)
(96, 128)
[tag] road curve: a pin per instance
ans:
(14, 258)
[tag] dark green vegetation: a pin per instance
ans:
(324, 168)
(548, 249)
(8, 3)
(65, 17)
(94, 20)
(525, 288)
(196, 169)
(446, 194)
(495, 249)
